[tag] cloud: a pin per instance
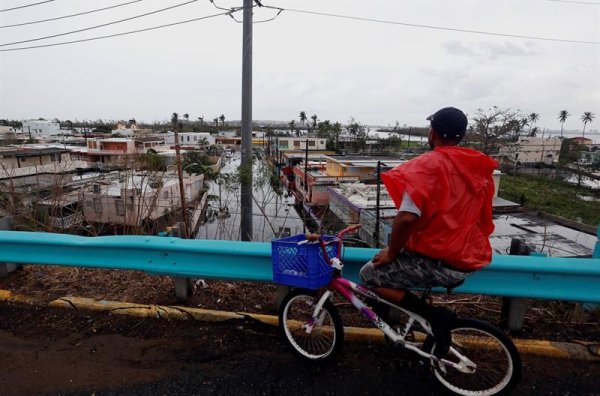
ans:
(490, 50)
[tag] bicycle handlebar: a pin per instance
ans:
(340, 235)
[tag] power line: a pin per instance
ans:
(26, 5)
(434, 27)
(116, 34)
(101, 25)
(70, 16)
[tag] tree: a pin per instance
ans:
(358, 132)
(495, 124)
(174, 120)
(292, 126)
(186, 116)
(303, 117)
(216, 121)
(197, 163)
(131, 123)
(222, 118)
(586, 118)
(533, 117)
(314, 119)
(153, 162)
(562, 117)
(201, 119)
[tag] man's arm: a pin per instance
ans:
(404, 223)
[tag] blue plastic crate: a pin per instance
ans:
(302, 265)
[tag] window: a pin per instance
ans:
(296, 143)
(311, 143)
(23, 159)
(188, 138)
(166, 194)
(54, 157)
(96, 188)
(120, 206)
(97, 205)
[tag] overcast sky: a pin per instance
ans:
(336, 68)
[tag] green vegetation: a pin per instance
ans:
(553, 196)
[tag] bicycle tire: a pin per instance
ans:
(327, 336)
(498, 363)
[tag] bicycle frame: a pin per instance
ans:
(349, 291)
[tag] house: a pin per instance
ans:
(41, 128)
(283, 143)
(60, 213)
(362, 167)
(111, 152)
(591, 157)
(191, 138)
(582, 141)
(136, 198)
(20, 161)
(529, 151)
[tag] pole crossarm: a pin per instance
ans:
(568, 279)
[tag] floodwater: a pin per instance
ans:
(273, 215)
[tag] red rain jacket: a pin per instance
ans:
(454, 189)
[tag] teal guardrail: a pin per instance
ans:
(570, 279)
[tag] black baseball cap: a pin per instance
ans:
(449, 122)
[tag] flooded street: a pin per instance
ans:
(274, 215)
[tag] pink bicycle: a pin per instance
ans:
(481, 360)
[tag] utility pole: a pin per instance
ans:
(377, 215)
(246, 179)
(186, 220)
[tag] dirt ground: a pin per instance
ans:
(549, 320)
(53, 351)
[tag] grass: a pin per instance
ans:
(553, 196)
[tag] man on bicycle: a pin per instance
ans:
(441, 232)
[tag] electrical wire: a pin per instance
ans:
(26, 5)
(101, 25)
(415, 25)
(70, 15)
(116, 34)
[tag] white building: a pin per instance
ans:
(190, 138)
(41, 128)
(532, 150)
(299, 143)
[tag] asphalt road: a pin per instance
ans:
(57, 352)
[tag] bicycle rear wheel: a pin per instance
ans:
(327, 335)
(494, 367)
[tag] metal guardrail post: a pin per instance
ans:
(184, 288)
(6, 224)
(513, 310)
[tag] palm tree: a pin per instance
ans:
(216, 121)
(201, 119)
(131, 122)
(222, 118)
(533, 117)
(314, 118)
(174, 120)
(292, 125)
(562, 117)
(303, 117)
(186, 116)
(587, 116)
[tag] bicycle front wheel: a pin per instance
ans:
(493, 366)
(324, 340)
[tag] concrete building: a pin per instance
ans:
(529, 151)
(41, 128)
(191, 138)
(283, 143)
(136, 198)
